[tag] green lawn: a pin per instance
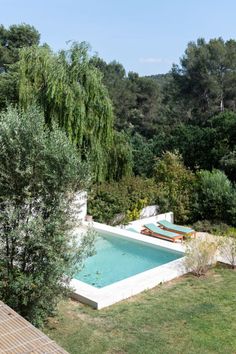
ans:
(189, 315)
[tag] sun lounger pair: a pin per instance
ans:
(182, 230)
(155, 231)
(166, 231)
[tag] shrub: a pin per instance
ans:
(216, 197)
(39, 172)
(210, 227)
(175, 183)
(228, 247)
(125, 199)
(134, 213)
(200, 255)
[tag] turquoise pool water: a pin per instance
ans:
(117, 258)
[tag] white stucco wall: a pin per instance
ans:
(137, 224)
(79, 206)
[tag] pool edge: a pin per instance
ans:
(111, 294)
(100, 298)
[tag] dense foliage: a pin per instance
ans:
(14, 38)
(216, 197)
(70, 92)
(176, 184)
(191, 111)
(168, 140)
(40, 170)
(206, 78)
(121, 202)
(68, 88)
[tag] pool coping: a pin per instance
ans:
(99, 298)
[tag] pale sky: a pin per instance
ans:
(146, 36)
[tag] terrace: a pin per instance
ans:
(19, 336)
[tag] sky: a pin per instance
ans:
(145, 36)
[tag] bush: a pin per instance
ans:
(210, 227)
(200, 255)
(216, 197)
(125, 199)
(228, 247)
(39, 172)
(176, 184)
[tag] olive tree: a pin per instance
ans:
(39, 173)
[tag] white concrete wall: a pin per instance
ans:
(79, 206)
(111, 230)
(137, 224)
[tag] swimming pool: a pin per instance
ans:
(119, 258)
(123, 278)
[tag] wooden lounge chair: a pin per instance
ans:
(182, 230)
(155, 231)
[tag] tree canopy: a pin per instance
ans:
(163, 129)
(14, 38)
(207, 76)
(69, 90)
(40, 171)
(216, 197)
(175, 183)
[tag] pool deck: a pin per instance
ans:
(110, 294)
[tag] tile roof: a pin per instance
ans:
(18, 336)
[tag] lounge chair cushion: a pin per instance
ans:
(175, 227)
(157, 230)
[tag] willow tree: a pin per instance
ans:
(120, 161)
(70, 92)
